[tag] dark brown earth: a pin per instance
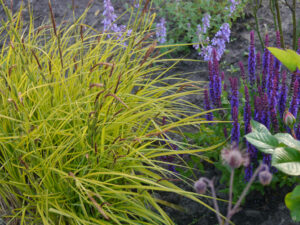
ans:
(267, 209)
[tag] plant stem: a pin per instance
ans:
(279, 24)
(271, 6)
(230, 195)
(211, 185)
(255, 8)
(243, 195)
(293, 11)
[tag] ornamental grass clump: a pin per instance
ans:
(80, 115)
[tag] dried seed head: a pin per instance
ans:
(234, 157)
(200, 186)
(265, 177)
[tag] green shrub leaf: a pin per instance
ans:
(287, 160)
(292, 201)
(288, 140)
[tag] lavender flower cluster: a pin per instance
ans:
(219, 40)
(266, 87)
(109, 20)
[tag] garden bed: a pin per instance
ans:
(267, 209)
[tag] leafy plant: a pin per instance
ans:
(285, 151)
(79, 123)
(184, 17)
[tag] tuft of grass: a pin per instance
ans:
(79, 124)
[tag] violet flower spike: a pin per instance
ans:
(242, 72)
(295, 101)
(235, 132)
(265, 65)
(282, 95)
(251, 60)
(208, 116)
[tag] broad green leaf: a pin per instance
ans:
(258, 127)
(292, 201)
(263, 141)
(287, 160)
(289, 58)
(288, 140)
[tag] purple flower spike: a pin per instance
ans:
(161, 31)
(273, 104)
(258, 115)
(298, 51)
(295, 101)
(258, 68)
(283, 95)
(251, 60)
(297, 131)
(235, 132)
(270, 75)
(265, 111)
(242, 70)
(211, 82)
(247, 112)
(265, 63)
(208, 116)
(248, 172)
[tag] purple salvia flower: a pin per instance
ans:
(298, 51)
(251, 60)
(258, 115)
(235, 132)
(242, 72)
(234, 93)
(272, 107)
(295, 101)
(206, 22)
(265, 63)
(283, 95)
(267, 159)
(265, 111)
(258, 67)
(248, 172)
(297, 131)
(247, 112)
(161, 31)
(217, 80)
(208, 116)
(211, 82)
(222, 76)
(270, 75)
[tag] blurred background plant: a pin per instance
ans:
(195, 21)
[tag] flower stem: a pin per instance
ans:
(243, 195)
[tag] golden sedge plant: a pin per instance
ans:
(80, 123)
